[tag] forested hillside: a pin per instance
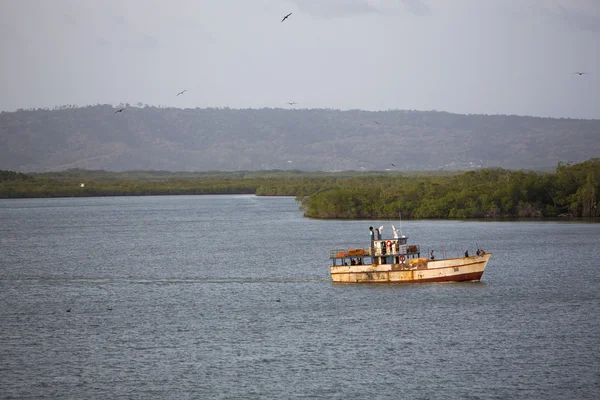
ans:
(151, 138)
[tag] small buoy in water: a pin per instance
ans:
(82, 185)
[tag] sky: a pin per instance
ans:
(462, 56)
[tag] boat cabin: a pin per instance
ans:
(382, 251)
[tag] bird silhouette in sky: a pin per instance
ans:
(291, 103)
(182, 92)
(377, 122)
(579, 73)
(119, 110)
(393, 165)
(286, 17)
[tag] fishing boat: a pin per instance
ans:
(394, 260)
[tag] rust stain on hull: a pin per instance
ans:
(473, 276)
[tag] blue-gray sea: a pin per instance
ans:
(229, 297)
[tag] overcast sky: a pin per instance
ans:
(465, 56)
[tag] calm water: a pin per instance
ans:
(177, 297)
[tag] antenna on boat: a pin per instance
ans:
(400, 215)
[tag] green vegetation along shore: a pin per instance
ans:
(573, 190)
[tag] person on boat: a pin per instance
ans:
(467, 253)
(478, 252)
(431, 256)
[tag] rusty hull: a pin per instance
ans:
(452, 269)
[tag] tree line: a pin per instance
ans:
(573, 190)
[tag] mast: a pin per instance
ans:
(400, 216)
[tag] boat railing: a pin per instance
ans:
(344, 253)
(373, 251)
(402, 250)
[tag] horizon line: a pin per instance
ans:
(163, 107)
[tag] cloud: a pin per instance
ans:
(344, 8)
(9, 34)
(119, 20)
(69, 19)
(417, 7)
(577, 19)
(149, 41)
(336, 8)
(101, 42)
(130, 35)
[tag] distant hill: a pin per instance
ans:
(153, 138)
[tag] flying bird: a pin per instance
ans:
(377, 122)
(580, 73)
(182, 92)
(393, 165)
(291, 103)
(119, 110)
(286, 17)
